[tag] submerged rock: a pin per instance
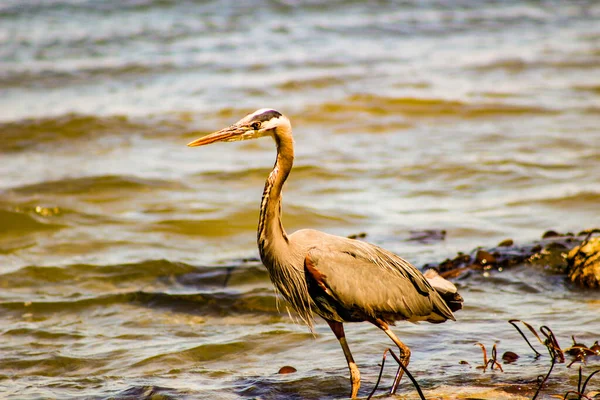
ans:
(584, 263)
(427, 236)
(360, 235)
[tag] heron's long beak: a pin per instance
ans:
(229, 134)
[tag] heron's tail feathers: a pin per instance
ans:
(445, 289)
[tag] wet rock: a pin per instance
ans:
(550, 234)
(550, 253)
(579, 349)
(360, 235)
(460, 261)
(287, 370)
(584, 264)
(485, 258)
(552, 256)
(510, 357)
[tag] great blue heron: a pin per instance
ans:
(340, 279)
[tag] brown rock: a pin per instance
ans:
(584, 264)
(510, 357)
(287, 370)
(485, 258)
(360, 235)
(428, 235)
(550, 234)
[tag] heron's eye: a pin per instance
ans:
(256, 126)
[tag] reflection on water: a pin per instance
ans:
(128, 261)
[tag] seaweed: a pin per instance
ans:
(557, 355)
(581, 389)
(492, 361)
(403, 367)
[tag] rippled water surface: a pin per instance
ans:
(128, 262)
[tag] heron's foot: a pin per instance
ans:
(354, 379)
(404, 359)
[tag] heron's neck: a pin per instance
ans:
(272, 239)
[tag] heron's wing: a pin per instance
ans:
(375, 282)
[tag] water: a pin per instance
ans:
(128, 261)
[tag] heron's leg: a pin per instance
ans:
(338, 331)
(404, 351)
(404, 357)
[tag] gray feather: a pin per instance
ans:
(370, 281)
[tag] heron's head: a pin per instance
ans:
(263, 122)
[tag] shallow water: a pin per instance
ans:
(128, 261)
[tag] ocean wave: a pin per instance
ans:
(517, 65)
(251, 343)
(241, 221)
(229, 223)
(48, 133)
(183, 275)
(43, 334)
(206, 352)
(98, 184)
(320, 82)
(52, 76)
(256, 301)
(579, 200)
(300, 172)
(19, 221)
(53, 365)
(413, 107)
